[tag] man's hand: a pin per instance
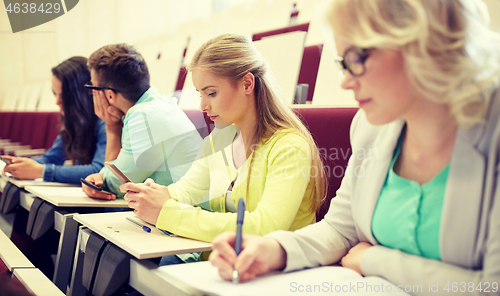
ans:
(97, 180)
(113, 119)
(109, 114)
(23, 168)
(146, 199)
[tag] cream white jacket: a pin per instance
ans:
(470, 226)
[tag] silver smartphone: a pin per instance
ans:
(7, 162)
(121, 176)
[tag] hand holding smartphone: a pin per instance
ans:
(7, 161)
(93, 186)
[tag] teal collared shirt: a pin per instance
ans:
(158, 141)
(408, 215)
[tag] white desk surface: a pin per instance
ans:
(11, 255)
(72, 197)
(36, 282)
(147, 278)
(37, 182)
(138, 243)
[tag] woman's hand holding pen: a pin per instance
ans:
(258, 256)
(146, 199)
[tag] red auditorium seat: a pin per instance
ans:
(301, 27)
(16, 127)
(10, 285)
(16, 131)
(181, 79)
(53, 128)
(6, 119)
(309, 68)
(29, 123)
(40, 129)
(33, 131)
(330, 129)
(24, 131)
(202, 123)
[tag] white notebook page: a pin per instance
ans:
(326, 280)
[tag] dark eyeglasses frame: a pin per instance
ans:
(90, 87)
(363, 55)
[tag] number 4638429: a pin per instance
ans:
(471, 287)
(32, 8)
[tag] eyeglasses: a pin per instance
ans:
(353, 61)
(90, 88)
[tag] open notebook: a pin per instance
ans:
(325, 280)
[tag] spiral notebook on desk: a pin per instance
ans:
(325, 280)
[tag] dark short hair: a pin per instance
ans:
(121, 67)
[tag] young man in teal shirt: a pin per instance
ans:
(148, 135)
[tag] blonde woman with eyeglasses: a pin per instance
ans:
(426, 208)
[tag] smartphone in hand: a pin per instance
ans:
(121, 176)
(93, 186)
(7, 162)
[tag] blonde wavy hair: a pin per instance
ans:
(233, 56)
(451, 55)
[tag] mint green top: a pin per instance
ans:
(158, 142)
(408, 215)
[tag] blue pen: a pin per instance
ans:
(237, 242)
(144, 227)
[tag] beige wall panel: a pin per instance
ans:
(101, 23)
(141, 20)
(71, 34)
(4, 22)
(39, 56)
(10, 60)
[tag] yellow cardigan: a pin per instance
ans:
(279, 195)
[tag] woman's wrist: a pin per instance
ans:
(40, 170)
(277, 253)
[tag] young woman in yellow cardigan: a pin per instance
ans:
(259, 151)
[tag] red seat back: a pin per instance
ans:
(309, 68)
(53, 128)
(300, 27)
(29, 124)
(202, 123)
(17, 127)
(330, 129)
(181, 78)
(6, 119)
(40, 129)
(10, 284)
